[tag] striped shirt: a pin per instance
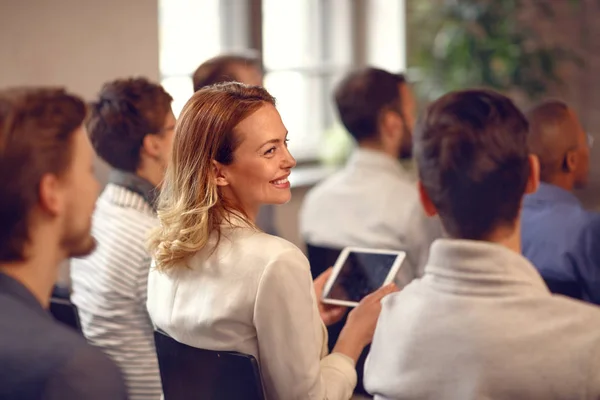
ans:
(109, 288)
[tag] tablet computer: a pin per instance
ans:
(359, 272)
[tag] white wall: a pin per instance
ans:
(79, 44)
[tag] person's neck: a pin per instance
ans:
(251, 215)
(151, 172)
(509, 237)
(38, 273)
(249, 212)
(562, 181)
(374, 145)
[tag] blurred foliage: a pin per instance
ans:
(337, 146)
(455, 44)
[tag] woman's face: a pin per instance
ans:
(261, 163)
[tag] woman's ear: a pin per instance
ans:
(219, 173)
(534, 174)
(426, 202)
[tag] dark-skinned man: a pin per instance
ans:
(554, 222)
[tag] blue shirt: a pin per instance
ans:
(559, 237)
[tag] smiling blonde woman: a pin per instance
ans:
(221, 284)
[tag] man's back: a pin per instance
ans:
(481, 324)
(552, 222)
(110, 285)
(42, 359)
(372, 202)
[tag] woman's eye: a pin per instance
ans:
(270, 151)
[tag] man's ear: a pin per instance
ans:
(534, 174)
(390, 124)
(151, 145)
(426, 202)
(52, 199)
(570, 161)
(219, 174)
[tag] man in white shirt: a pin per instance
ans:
(373, 201)
(481, 323)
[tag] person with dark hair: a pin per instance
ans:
(228, 68)
(131, 126)
(373, 201)
(481, 323)
(553, 218)
(48, 190)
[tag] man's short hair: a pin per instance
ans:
(362, 96)
(473, 161)
(545, 137)
(126, 111)
(37, 127)
(221, 69)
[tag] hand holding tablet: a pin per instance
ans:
(359, 272)
(360, 278)
(362, 320)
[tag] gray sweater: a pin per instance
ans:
(481, 324)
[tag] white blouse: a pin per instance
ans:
(254, 294)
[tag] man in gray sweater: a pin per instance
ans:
(481, 323)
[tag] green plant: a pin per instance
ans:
(466, 43)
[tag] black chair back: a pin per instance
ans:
(564, 287)
(190, 373)
(321, 258)
(65, 312)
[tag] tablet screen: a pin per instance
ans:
(361, 273)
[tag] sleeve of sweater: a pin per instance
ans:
(593, 378)
(290, 338)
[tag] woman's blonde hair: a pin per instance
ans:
(190, 206)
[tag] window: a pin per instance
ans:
(305, 50)
(307, 46)
(386, 34)
(188, 35)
